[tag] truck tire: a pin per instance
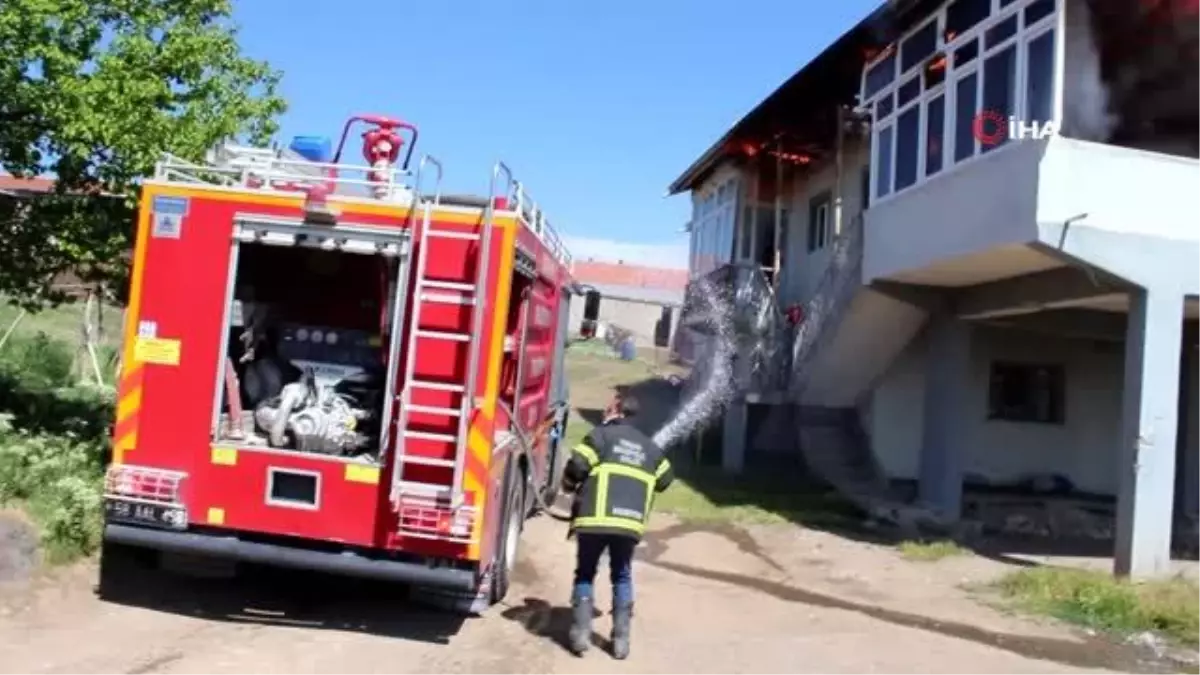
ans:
(509, 537)
(123, 569)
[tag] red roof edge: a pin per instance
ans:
(622, 274)
(31, 185)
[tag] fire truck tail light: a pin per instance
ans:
(430, 518)
(139, 482)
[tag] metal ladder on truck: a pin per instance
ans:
(424, 501)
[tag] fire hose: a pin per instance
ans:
(527, 448)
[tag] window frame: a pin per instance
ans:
(1022, 37)
(923, 147)
(1039, 30)
(1057, 415)
(714, 226)
(818, 238)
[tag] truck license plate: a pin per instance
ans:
(142, 513)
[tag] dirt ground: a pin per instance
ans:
(723, 598)
(717, 598)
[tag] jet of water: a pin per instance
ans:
(714, 311)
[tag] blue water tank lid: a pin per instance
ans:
(312, 148)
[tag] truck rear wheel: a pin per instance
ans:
(122, 569)
(509, 540)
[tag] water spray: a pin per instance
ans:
(710, 310)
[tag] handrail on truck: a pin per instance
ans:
(418, 181)
(532, 215)
(468, 403)
(234, 166)
(263, 168)
(400, 307)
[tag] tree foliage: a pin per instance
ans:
(93, 91)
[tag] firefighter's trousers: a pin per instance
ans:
(589, 548)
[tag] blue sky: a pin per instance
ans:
(597, 106)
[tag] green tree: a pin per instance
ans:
(93, 91)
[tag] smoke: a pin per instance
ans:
(1085, 95)
(1131, 74)
(711, 309)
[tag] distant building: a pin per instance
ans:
(14, 191)
(642, 300)
(12, 187)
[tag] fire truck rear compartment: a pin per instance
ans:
(307, 345)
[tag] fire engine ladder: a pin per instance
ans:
(430, 291)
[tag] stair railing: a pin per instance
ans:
(823, 313)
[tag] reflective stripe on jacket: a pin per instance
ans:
(617, 470)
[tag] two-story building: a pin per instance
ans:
(987, 209)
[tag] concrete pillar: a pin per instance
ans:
(733, 441)
(1149, 420)
(943, 439)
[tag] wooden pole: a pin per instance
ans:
(12, 327)
(838, 160)
(778, 233)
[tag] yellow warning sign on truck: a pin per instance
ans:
(159, 351)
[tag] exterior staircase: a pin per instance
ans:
(838, 355)
(835, 447)
(819, 372)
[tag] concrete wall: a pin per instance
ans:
(1085, 448)
(634, 315)
(1120, 190)
(803, 271)
(983, 203)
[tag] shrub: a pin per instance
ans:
(40, 361)
(36, 405)
(54, 439)
(59, 478)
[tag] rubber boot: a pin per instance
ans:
(580, 635)
(622, 621)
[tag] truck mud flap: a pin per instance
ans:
(347, 564)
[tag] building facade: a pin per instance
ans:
(640, 300)
(995, 244)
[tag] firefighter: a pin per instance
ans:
(614, 473)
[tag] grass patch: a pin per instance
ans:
(1170, 607)
(594, 369)
(594, 348)
(699, 494)
(63, 323)
(707, 495)
(930, 551)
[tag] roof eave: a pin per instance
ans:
(707, 161)
(701, 166)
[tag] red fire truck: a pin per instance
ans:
(339, 367)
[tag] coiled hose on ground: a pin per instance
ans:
(527, 448)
